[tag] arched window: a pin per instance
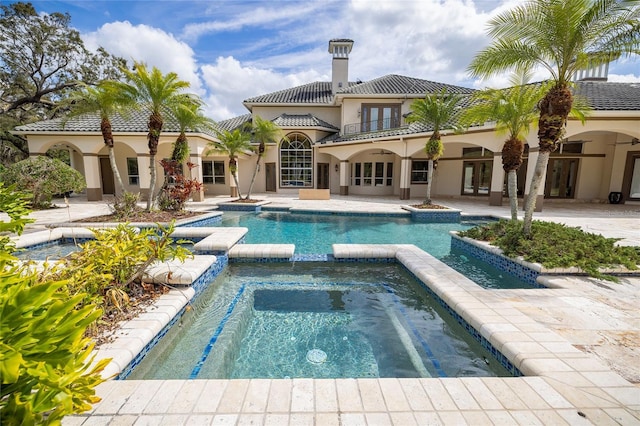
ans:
(296, 161)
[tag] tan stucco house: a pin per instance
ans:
(352, 138)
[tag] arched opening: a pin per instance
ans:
(296, 161)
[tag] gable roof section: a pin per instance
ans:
(394, 84)
(606, 96)
(303, 120)
(235, 122)
(318, 92)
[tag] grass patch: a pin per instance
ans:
(555, 245)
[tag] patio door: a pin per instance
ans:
(322, 177)
(476, 177)
(270, 173)
(561, 178)
(631, 180)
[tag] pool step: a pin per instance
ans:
(262, 251)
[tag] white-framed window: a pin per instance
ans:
(213, 172)
(369, 174)
(296, 161)
(132, 171)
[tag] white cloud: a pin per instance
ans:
(626, 78)
(228, 83)
(150, 45)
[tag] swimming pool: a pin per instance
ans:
(316, 320)
(315, 233)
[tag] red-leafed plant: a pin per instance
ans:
(177, 188)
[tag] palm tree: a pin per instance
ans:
(263, 131)
(105, 102)
(189, 117)
(232, 144)
(513, 110)
(435, 111)
(562, 36)
(157, 94)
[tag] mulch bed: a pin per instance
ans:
(142, 216)
(140, 296)
(430, 207)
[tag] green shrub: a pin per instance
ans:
(555, 245)
(45, 370)
(125, 205)
(44, 358)
(107, 268)
(44, 177)
(15, 205)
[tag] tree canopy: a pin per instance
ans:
(42, 60)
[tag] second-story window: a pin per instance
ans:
(379, 117)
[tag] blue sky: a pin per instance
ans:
(230, 50)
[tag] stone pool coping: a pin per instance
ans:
(564, 385)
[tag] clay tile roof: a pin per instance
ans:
(302, 120)
(610, 96)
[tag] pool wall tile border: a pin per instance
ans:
(497, 260)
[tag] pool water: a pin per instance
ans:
(54, 250)
(316, 320)
(315, 233)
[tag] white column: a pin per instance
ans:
(405, 178)
(91, 165)
(144, 163)
(497, 180)
(344, 177)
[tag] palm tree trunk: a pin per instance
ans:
(536, 181)
(114, 167)
(429, 180)
(233, 168)
(152, 186)
(512, 185)
(253, 179)
(155, 127)
(107, 135)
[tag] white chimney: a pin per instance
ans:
(340, 49)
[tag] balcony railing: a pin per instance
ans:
(372, 126)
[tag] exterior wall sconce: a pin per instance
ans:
(337, 168)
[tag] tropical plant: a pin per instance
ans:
(263, 132)
(15, 205)
(513, 110)
(43, 177)
(45, 363)
(155, 93)
(563, 37)
(435, 111)
(178, 188)
(104, 101)
(189, 117)
(107, 267)
(231, 143)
